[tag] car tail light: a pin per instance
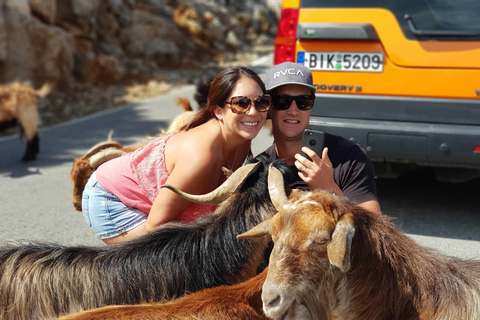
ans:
(286, 36)
(476, 149)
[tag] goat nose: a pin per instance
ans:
(271, 301)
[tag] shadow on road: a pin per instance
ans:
(61, 144)
(425, 206)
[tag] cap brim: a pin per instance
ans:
(310, 87)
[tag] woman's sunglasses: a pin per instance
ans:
(283, 101)
(240, 104)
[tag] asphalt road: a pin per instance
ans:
(35, 198)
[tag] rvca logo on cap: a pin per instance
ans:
(291, 71)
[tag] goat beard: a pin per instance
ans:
(297, 311)
(316, 304)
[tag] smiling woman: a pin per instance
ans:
(123, 198)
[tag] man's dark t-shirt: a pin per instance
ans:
(352, 170)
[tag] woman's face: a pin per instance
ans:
(245, 125)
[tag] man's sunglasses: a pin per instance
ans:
(283, 101)
(240, 104)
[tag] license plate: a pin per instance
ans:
(342, 61)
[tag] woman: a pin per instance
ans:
(123, 198)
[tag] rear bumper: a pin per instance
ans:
(424, 131)
(398, 109)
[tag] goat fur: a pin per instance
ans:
(84, 166)
(235, 302)
(18, 104)
(44, 281)
(344, 262)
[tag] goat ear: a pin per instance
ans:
(258, 231)
(339, 248)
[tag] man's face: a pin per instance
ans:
(289, 124)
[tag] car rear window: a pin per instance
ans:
(430, 19)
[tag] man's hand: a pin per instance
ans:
(318, 173)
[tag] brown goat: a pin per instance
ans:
(241, 301)
(18, 103)
(84, 166)
(235, 302)
(341, 261)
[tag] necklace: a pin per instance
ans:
(225, 151)
(226, 157)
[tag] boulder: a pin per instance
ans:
(78, 17)
(98, 69)
(21, 6)
(34, 51)
(46, 10)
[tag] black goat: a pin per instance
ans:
(42, 281)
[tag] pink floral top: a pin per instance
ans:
(136, 178)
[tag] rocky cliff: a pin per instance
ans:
(98, 42)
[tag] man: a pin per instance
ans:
(342, 168)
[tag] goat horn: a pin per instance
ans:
(97, 159)
(276, 188)
(227, 172)
(100, 146)
(224, 191)
(109, 143)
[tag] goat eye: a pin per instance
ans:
(317, 243)
(321, 241)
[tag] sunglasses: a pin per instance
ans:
(283, 102)
(241, 104)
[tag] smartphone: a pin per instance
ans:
(314, 140)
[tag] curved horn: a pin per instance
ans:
(224, 191)
(105, 155)
(109, 143)
(101, 146)
(227, 172)
(276, 188)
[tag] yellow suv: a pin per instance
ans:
(399, 77)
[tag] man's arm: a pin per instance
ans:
(372, 206)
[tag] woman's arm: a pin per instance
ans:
(193, 171)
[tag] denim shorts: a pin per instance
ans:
(106, 215)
